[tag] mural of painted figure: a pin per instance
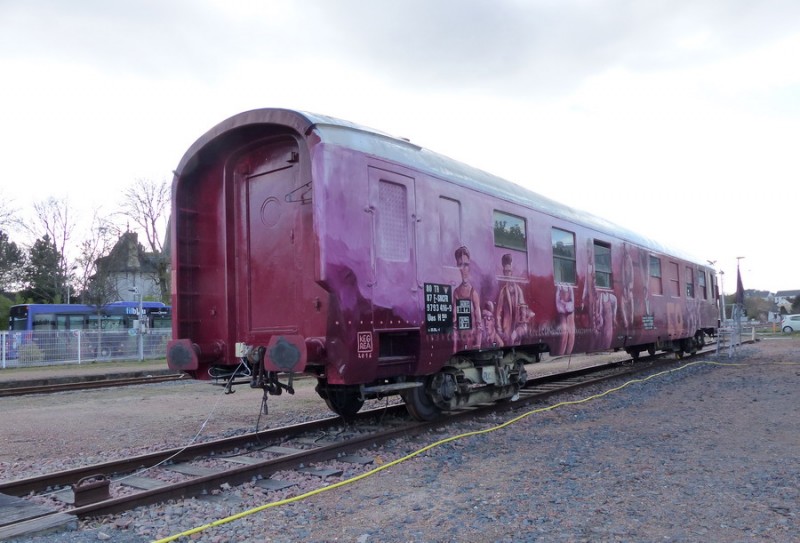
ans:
(468, 329)
(509, 301)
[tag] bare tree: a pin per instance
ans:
(98, 243)
(5, 213)
(146, 203)
(54, 218)
(9, 216)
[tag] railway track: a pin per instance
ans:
(203, 468)
(50, 388)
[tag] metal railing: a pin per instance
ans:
(730, 337)
(53, 347)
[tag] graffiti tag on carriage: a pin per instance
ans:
(364, 344)
(675, 319)
(438, 308)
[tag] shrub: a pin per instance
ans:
(30, 352)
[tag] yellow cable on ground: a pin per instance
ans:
(340, 484)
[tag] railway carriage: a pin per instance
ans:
(307, 244)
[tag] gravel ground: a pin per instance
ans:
(707, 453)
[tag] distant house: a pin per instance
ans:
(784, 299)
(129, 269)
(761, 294)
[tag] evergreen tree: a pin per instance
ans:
(12, 263)
(43, 277)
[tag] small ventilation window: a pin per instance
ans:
(392, 222)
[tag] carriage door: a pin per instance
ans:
(267, 262)
(395, 293)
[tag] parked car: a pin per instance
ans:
(790, 323)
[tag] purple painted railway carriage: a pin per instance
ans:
(303, 243)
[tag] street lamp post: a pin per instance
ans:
(139, 324)
(739, 299)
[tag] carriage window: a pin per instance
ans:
(62, 322)
(674, 280)
(563, 256)
(449, 228)
(44, 321)
(602, 264)
(701, 282)
(655, 275)
(112, 322)
(392, 228)
(509, 231)
(69, 322)
(689, 283)
(16, 323)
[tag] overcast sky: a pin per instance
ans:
(678, 119)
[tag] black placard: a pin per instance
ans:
(438, 308)
(464, 313)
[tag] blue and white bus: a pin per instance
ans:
(49, 325)
(118, 315)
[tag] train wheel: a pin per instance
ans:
(683, 347)
(420, 405)
(345, 403)
(651, 350)
(700, 339)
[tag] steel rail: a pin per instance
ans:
(568, 380)
(204, 484)
(238, 475)
(41, 483)
(11, 390)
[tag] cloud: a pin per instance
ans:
(510, 47)
(148, 38)
(600, 104)
(533, 48)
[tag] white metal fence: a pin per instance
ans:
(51, 347)
(729, 338)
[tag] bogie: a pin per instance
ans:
(464, 383)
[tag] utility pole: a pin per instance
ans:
(139, 323)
